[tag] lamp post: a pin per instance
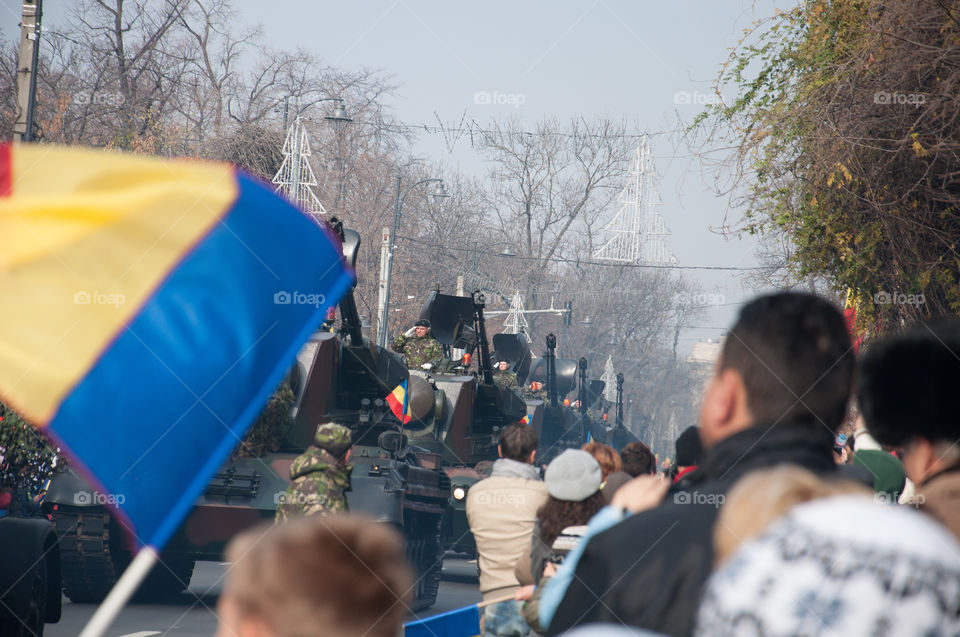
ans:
(383, 311)
(295, 175)
(338, 120)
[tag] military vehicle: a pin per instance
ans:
(618, 435)
(562, 426)
(29, 576)
(342, 377)
(471, 409)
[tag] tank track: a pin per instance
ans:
(87, 566)
(425, 552)
(93, 555)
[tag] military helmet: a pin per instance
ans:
(333, 437)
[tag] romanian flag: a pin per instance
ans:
(589, 437)
(399, 402)
(527, 419)
(149, 309)
(462, 622)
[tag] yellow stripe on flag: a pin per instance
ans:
(87, 237)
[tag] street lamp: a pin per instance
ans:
(439, 192)
(338, 120)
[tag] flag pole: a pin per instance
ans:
(120, 594)
(495, 600)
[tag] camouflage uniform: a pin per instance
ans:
(506, 379)
(320, 481)
(417, 351)
(531, 394)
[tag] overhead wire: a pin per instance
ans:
(613, 264)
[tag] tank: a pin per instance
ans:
(619, 435)
(471, 410)
(337, 376)
(29, 576)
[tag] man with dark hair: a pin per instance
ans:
(908, 393)
(689, 452)
(638, 460)
(778, 394)
(501, 511)
(518, 443)
(419, 348)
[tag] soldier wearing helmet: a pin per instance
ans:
(320, 476)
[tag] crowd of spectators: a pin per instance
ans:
(770, 522)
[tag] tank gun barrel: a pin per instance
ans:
(551, 358)
(349, 314)
(351, 319)
(486, 366)
(582, 395)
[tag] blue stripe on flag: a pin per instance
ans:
(462, 622)
(173, 394)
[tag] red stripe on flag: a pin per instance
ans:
(396, 404)
(6, 169)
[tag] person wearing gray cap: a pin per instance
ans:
(573, 482)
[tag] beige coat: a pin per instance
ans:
(939, 496)
(501, 511)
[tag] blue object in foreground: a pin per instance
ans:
(462, 622)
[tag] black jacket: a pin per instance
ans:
(649, 570)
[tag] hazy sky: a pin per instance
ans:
(624, 59)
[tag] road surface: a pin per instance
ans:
(196, 615)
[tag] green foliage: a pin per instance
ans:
(844, 130)
(271, 426)
(27, 458)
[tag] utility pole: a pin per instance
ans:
(385, 243)
(27, 69)
(619, 400)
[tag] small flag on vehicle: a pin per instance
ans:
(399, 402)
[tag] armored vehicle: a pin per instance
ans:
(471, 409)
(29, 576)
(342, 377)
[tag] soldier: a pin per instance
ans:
(329, 324)
(320, 475)
(535, 391)
(421, 348)
(504, 377)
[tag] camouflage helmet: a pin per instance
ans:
(333, 437)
